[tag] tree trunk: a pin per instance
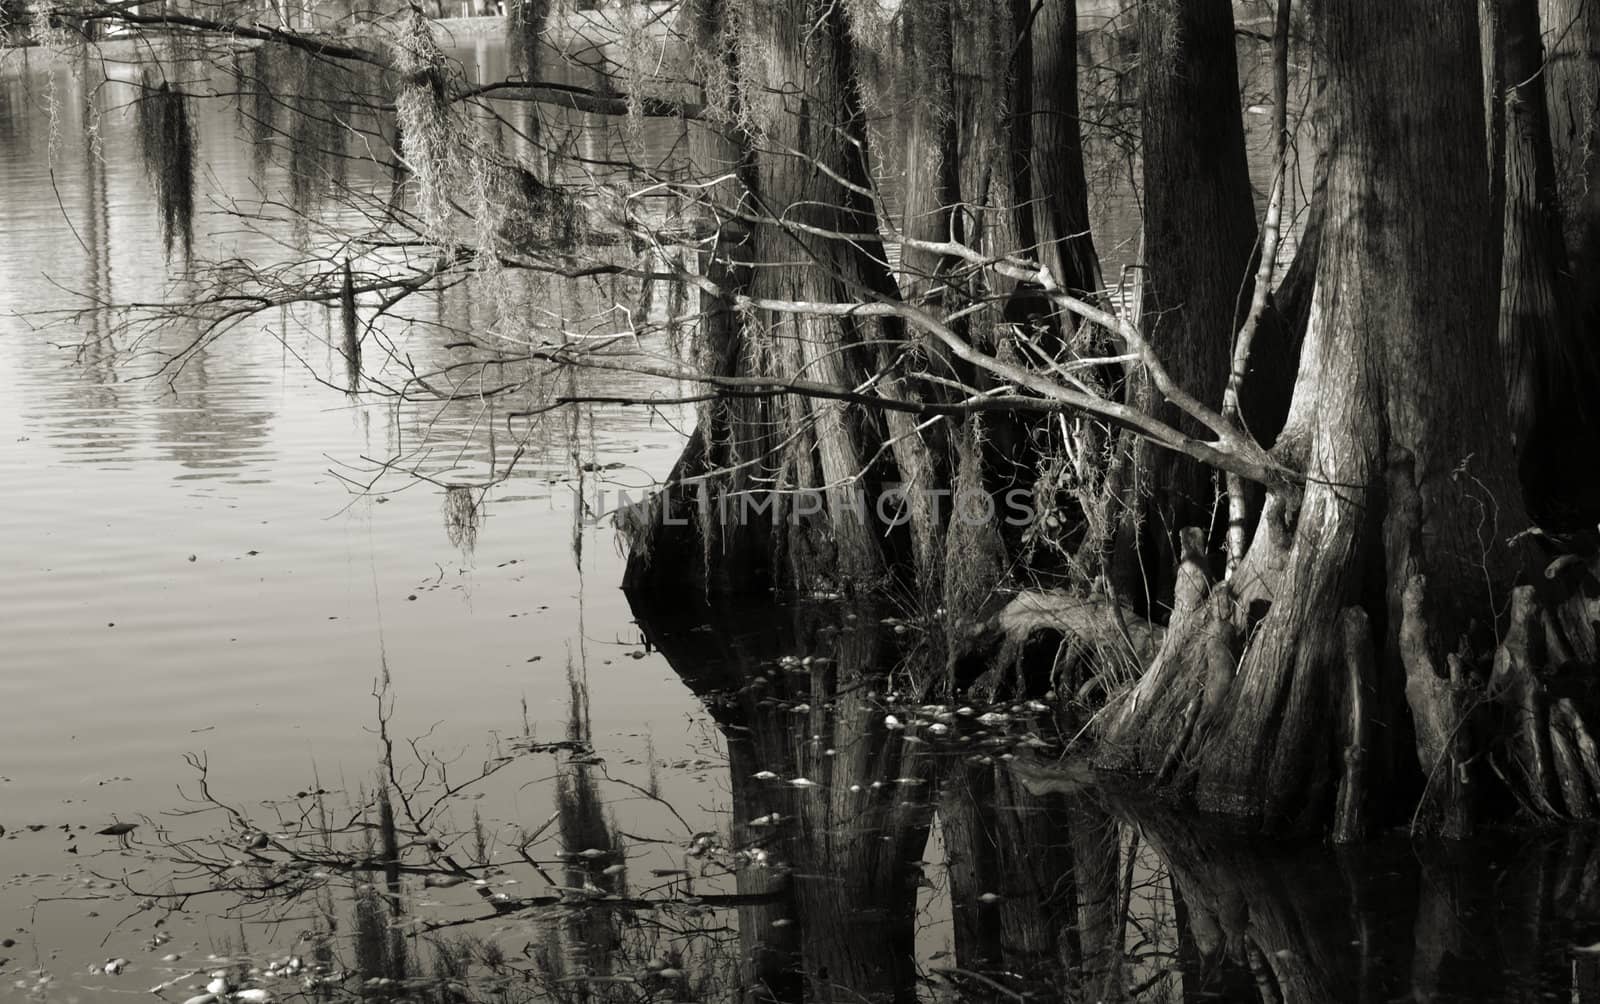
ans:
(1292, 299)
(803, 95)
(1572, 37)
(1061, 196)
(1199, 238)
(1536, 343)
(1395, 422)
(806, 175)
(990, 143)
(1549, 319)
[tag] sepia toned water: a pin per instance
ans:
(230, 572)
(187, 563)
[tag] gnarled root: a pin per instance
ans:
(1158, 723)
(1549, 761)
(1100, 642)
(1535, 737)
(1441, 706)
(1361, 674)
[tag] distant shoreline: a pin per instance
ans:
(454, 31)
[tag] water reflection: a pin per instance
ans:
(859, 844)
(298, 186)
(840, 787)
(1055, 890)
(847, 813)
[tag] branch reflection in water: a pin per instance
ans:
(874, 848)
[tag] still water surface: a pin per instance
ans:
(715, 806)
(187, 569)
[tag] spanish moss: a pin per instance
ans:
(167, 146)
(263, 103)
(317, 136)
(540, 217)
(422, 120)
(463, 515)
(352, 343)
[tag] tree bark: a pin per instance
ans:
(1396, 399)
(1061, 203)
(1392, 389)
(1200, 240)
(1537, 346)
(1571, 30)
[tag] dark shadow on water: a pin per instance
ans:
(1053, 889)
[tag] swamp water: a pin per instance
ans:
(211, 626)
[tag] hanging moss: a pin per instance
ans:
(317, 138)
(463, 515)
(713, 56)
(257, 105)
(540, 217)
(300, 104)
(423, 123)
(352, 343)
(167, 145)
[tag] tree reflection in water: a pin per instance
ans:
(880, 849)
(1062, 891)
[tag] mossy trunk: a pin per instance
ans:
(804, 96)
(796, 124)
